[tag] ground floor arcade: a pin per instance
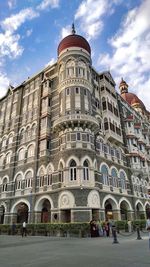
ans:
(65, 207)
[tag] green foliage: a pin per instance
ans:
(64, 229)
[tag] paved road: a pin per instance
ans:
(16, 251)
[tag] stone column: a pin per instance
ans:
(102, 215)
(116, 215)
(130, 215)
(37, 217)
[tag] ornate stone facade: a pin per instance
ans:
(67, 140)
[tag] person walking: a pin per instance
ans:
(129, 223)
(24, 229)
(148, 227)
(13, 228)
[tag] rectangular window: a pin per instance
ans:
(67, 91)
(78, 136)
(77, 90)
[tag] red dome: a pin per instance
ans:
(74, 40)
(132, 99)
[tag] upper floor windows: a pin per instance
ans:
(73, 170)
(85, 170)
(105, 176)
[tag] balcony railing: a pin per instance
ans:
(80, 118)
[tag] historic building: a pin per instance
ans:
(71, 147)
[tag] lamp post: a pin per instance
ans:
(114, 233)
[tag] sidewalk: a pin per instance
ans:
(39, 251)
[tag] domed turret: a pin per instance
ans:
(74, 40)
(131, 98)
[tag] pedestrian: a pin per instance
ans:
(24, 229)
(13, 228)
(129, 223)
(107, 228)
(93, 228)
(148, 228)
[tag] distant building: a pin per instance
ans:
(71, 147)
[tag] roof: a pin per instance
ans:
(74, 40)
(132, 99)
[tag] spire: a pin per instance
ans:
(73, 29)
(123, 86)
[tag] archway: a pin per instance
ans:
(108, 210)
(147, 208)
(2, 214)
(45, 213)
(111, 208)
(22, 212)
(139, 211)
(124, 210)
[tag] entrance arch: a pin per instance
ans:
(111, 208)
(147, 208)
(22, 212)
(2, 214)
(124, 207)
(139, 210)
(46, 211)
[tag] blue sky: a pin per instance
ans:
(117, 30)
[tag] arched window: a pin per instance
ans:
(4, 188)
(49, 176)
(61, 73)
(1, 160)
(28, 132)
(105, 123)
(33, 129)
(82, 69)
(10, 139)
(104, 103)
(70, 69)
(114, 178)
(61, 172)
(18, 181)
(22, 134)
(41, 174)
(4, 142)
(73, 170)
(85, 170)
(104, 172)
(123, 180)
(21, 154)
(30, 152)
(28, 179)
(8, 157)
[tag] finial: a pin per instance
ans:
(73, 29)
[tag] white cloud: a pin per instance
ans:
(90, 15)
(48, 3)
(131, 51)
(65, 31)
(29, 32)
(9, 45)
(11, 3)
(9, 41)
(4, 83)
(51, 62)
(13, 22)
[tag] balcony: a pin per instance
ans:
(72, 81)
(66, 121)
(113, 137)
